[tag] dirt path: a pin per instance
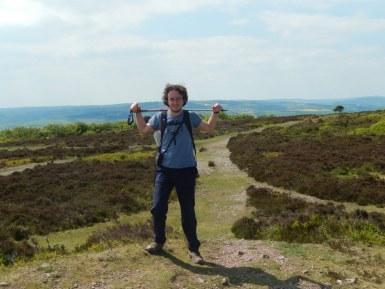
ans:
(232, 254)
(11, 170)
(220, 155)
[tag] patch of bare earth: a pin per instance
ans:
(245, 263)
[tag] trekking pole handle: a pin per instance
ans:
(130, 119)
(165, 109)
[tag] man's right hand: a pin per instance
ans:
(135, 107)
(140, 123)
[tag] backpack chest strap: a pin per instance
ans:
(186, 121)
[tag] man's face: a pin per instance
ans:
(175, 101)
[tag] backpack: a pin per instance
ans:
(163, 124)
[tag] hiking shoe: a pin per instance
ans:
(196, 257)
(154, 248)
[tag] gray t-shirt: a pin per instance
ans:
(180, 153)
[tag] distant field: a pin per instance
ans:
(42, 116)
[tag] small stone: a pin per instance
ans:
(351, 280)
(4, 284)
(328, 286)
(240, 253)
(339, 282)
(225, 281)
(264, 256)
(45, 267)
(305, 272)
(200, 280)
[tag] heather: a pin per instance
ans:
(333, 158)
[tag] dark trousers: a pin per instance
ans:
(184, 182)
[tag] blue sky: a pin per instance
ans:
(56, 52)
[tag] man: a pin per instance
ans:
(176, 165)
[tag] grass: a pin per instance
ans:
(271, 154)
(28, 147)
(121, 156)
(216, 222)
(15, 162)
(377, 128)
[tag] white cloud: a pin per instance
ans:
(116, 14)
(20, 12)
(218, 50)
(81, 44)
(129, 13)
(315, 5)
(319, 28)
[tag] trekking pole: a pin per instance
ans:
(130, 118)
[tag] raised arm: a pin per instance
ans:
(143, 128)
(211, 123)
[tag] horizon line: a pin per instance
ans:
(195, 100)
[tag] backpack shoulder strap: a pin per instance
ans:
(187, 121)
(163, 124)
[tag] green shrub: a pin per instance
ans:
(19, 232)
(245, 228)
(11, 250)
(121, 233)
(280, 217)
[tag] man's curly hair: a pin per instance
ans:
(179, 88)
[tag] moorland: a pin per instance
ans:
(95, 203)
(109, 170)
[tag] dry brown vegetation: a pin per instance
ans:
(78, 146)
(317, 158)
(66, 196)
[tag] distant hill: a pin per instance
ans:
(40, 116)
